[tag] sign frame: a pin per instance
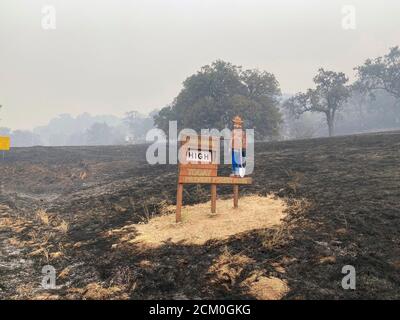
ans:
(198, 172)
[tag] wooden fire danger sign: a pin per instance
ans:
(198, 156)
(198, 164)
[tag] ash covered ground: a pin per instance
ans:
(59, 205)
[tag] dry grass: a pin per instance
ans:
(95, 291)
(227, 270)
(265, 288)
(277, 238)
(43, 216)
(63, 227)
(199, 225)
(296, 180)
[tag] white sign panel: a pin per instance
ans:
(198, 155)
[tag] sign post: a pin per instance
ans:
(235, 196)
(213, 198)
(179, 202)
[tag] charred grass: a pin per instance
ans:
(342, 194)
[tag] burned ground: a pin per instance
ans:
(58, 204)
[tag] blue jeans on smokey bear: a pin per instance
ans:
(238, 161)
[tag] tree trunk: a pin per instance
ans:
(330, 122)
(331, 128)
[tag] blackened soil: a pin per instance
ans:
(344, 209)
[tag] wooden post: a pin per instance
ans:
(213, 198)
(179, 193)
(235, 196)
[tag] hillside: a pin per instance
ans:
(75, 208)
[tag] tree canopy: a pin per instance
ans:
(214, 95)
(382, 73)
(328, 97)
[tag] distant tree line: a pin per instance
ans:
(211, 97)
(66, 130)
(332, 95)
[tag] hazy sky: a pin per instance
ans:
(108, 57)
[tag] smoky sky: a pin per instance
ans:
(108, 57)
